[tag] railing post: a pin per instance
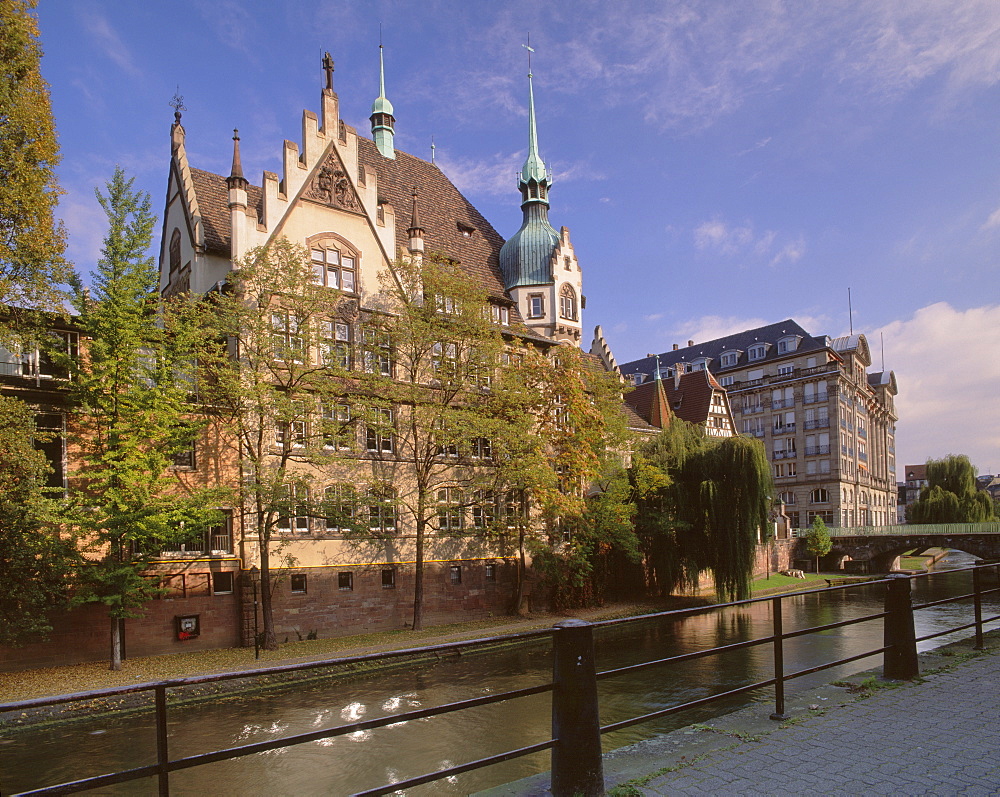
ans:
(977, 599)
(162, 757)
(900, 660)
(779, 662)
(576, 726)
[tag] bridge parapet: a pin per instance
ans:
(923, 529)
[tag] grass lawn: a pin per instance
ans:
(779, 583)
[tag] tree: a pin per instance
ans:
(274, 374)
(131, 416)
(36, 559)
(818, 542)
(33, 274)
(950, 495)
(703, 505)
(443, 417)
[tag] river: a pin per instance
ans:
(32, 757)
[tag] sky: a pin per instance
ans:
(720, 165)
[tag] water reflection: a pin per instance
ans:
(365, 759)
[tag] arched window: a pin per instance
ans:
(175, 250)
(334, 262)
(819, 496)
(567, 302)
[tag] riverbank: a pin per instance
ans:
(52, 681)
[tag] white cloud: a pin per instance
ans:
(723, 238)
(993, 220)
(108, 40)
(948, 372)
(496, 175)
(712, 326)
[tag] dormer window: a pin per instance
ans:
(501, 314)
(729, 358)
(465, 230)
(788, 343)
(757, 351)
(700, 364)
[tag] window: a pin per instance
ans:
(484, 511)
(490, 573)
(298, 583)
(729, 358)
(388, 578)
(222, 583)
(379, 432)
(567, 303)
(726, 381)
(447, 305)
(810, 362)
(449, 509)
(345, 580)
(513, 507)
(455, 574)
(482, 448)
(286, 338)
(376, 351)
(819, 496)
(786, 370)
(335, 344)
(175, 250)
(560, 413)
(293, 512)
(757, 352)
(382, 508)
(338, 430)
(787, 497)
(755, 374)
(444, 360)
(185, 458)
(334, 268)
(536, 305)
(339, 503)
(567, 262)
(500, 314)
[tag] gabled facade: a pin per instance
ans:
(829, 425)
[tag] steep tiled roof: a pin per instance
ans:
(740, 341)
(635, 421)
(690, 398)
(213, 201)
(442, 210)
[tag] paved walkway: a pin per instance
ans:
(939, 736)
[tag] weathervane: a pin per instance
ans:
(530, 50)
(177, 103)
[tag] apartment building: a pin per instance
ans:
(828, 422)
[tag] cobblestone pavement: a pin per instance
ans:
(940, 736)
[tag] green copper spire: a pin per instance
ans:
(526, 258)
(381, 118)
(534, 167)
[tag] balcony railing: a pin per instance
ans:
(815, 398)
(783, 455)
(778, 404)
(819, 423)
(813, 451)
(788, 428)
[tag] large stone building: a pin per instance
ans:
(828, 424)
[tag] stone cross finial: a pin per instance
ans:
(328, 68)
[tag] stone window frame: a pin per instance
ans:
(331, 241)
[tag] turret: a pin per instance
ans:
(415, 231)
(237, 184)
(382, 119)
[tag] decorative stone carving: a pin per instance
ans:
(331, 187)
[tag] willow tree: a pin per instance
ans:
(704, 508)
(951, 495)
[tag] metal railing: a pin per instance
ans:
(576, 730)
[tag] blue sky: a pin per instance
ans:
(720, 165)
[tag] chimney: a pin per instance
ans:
(690, 343)
(676, 347)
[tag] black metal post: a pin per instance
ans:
(256, 633)
(162, 757)
(576, 727)
(977, 592)
(900, 661)
(779, 662)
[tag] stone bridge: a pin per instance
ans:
(879, 546)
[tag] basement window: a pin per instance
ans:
(298, 583)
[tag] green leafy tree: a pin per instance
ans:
(818, 542)
(442, 417)
(131, 416)
(274, 381)
(37, 559)
(703, 504)
(33, 273)
(950, 495)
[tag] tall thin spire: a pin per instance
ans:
(236, 178)
(381, 117)
(535, 178)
